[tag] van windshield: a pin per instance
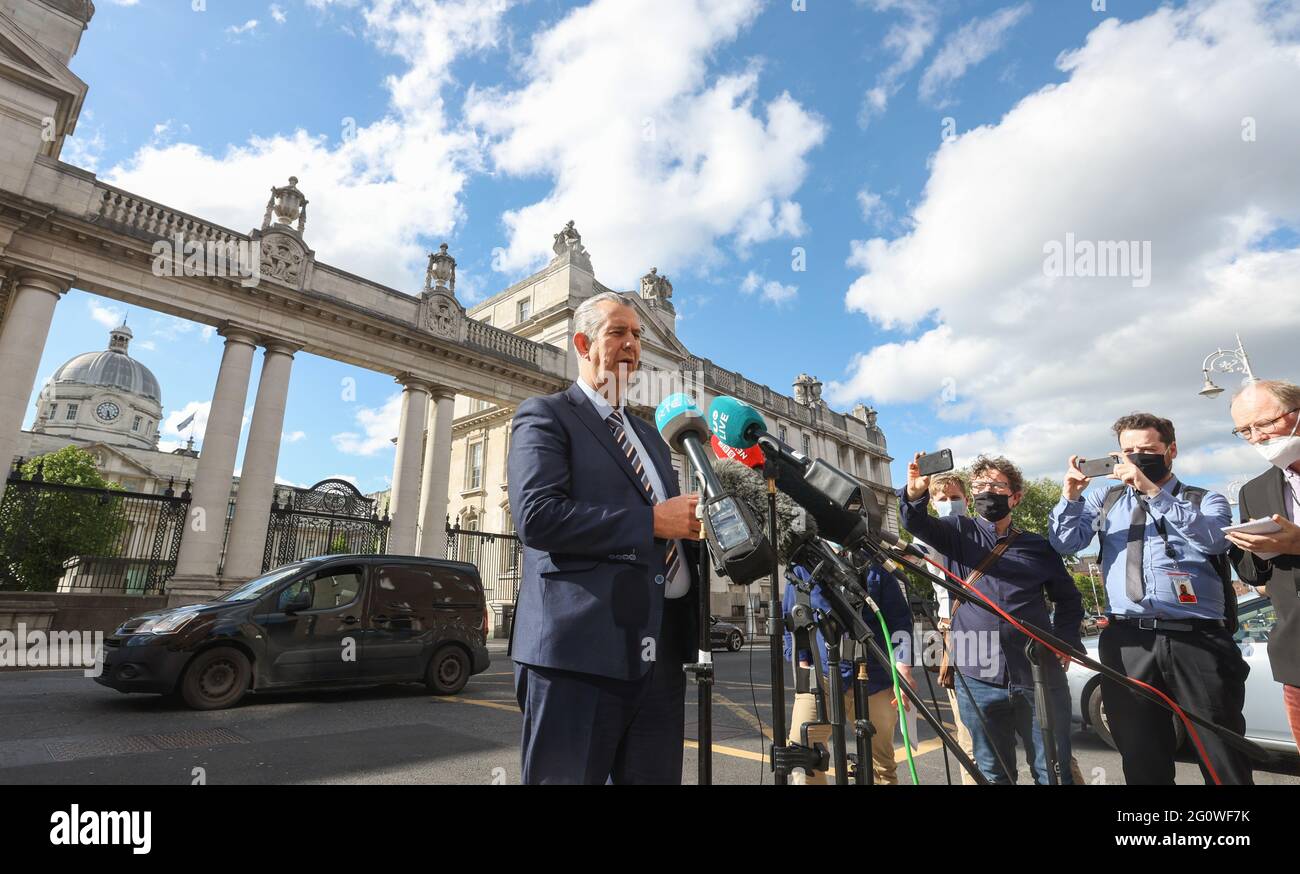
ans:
(256, 588)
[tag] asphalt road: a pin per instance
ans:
(58, 727)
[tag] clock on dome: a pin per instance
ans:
(108, 411)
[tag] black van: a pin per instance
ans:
(329, 621)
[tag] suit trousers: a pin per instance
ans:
(1201, 670)
(587, 729)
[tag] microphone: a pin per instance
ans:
(740, 549)
(740, 426)
(844, 511)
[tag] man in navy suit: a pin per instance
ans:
(608, 609)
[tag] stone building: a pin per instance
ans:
(109, 404)
(541, 308)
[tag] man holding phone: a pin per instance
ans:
(1171, 606)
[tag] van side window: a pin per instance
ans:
(333, 587)
(412, 586)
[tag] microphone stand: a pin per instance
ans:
(776, 635)
(702, 672)
(1043, 703)
(845, 578)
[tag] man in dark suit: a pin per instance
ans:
(608, 605)
(1267, 414)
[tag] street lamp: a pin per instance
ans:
(1225, 361)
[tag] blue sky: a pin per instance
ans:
(920, 152)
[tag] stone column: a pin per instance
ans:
(405, 502)
(247, 542)
(22, 340)
(196, 567)
(437, 474)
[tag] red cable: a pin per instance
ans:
(1191, 730)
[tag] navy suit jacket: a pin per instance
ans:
(592, 593)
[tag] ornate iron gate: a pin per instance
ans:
(498, 557)
(56, 537)
(331, 517)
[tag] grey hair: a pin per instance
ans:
(589, 320)
(1286, 393)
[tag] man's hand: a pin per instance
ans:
(1075, 481)
(1128, 473)
(1286, 541)
(905, 675)
(917, 485)
(676, 519)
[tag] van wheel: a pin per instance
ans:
(448, 671)
(216, 678)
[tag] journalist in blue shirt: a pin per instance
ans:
(1162, 553)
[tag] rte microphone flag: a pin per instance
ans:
(751, 457)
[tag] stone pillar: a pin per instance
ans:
(257, 476)
(22, 340)
(405, 502)
(437, 474)
(196, 567)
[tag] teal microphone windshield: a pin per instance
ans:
(735, 423)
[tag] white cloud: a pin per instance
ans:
(150, 345)
(376, 188)
(108, 316)
(769, 290)
(124, 2)
(908, 40)
(293, 436)
(200, 410)
(1143, 142)
(247, 27)
(656, 159)
(967, 46)
(86, 150)
(379, 424)
(277, 14)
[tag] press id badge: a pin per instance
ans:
(1181, 584)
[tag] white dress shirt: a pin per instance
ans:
(680, 584)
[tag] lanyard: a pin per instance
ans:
(1160, 523)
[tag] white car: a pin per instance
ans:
(1266, 722)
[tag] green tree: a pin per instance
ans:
(338, 545)
(40, 529)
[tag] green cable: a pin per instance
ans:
(898, 697)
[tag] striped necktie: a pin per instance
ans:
(615, 422)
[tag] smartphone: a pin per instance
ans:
(935, 462)
(1103, 466)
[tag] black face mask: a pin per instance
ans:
(993, 506)
(1152, 465)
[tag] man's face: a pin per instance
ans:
(1265, 413)
(1146, 440)
(993, 480)
(951, 492)
(610, 358)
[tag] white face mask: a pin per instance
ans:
(1281, 451)
(955, 507)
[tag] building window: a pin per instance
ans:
(72, 412)
(49, 414)
(474, 466)
(525, 309)
(135, 426)
(780, 432)
(807, 446)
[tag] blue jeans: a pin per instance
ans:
(1008, 711)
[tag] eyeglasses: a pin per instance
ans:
(1261, 428)
(990, 486)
